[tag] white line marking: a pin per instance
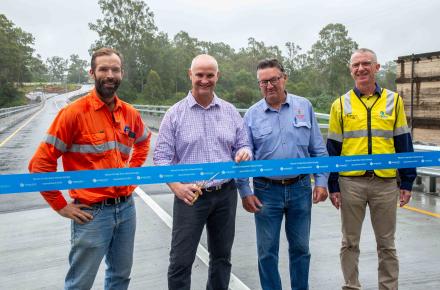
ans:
(21, 127)
(202, 252)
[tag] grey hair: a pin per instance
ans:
(364, 50)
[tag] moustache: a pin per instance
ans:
(104, 91)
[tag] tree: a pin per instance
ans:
(128, 26)
(56, 67)
(386, 77)
(255, 51)
(185, 49)
(38, 70)
(294, 61)
(16, 59)
(330, 56)
(77, 71)
(153, 88)
(16, 52)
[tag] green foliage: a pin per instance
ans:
(330, 57)
(322, 103)
(386, 77)
(153, 90)
(38, 70)
(10, 96)
(56, 67)
(127, 92)
(128, 26)
(77, 71)
(156, 66)
(17, 63)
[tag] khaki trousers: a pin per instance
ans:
(381, 196)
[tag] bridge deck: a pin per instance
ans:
(34, 240)
(35, 244)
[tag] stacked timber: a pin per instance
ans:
(418, 82)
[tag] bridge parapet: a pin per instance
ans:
(426, 179)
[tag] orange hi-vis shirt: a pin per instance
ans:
(88, 136)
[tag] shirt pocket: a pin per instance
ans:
(302, 132)
(263, 139)
(94, 138)
(94, 143)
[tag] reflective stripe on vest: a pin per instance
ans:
(369, 130)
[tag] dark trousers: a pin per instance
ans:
(216, 210)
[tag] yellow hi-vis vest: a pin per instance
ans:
(365, 130)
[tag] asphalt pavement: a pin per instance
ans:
(34, 239)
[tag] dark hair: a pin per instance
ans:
(269, 63)
(104, 51)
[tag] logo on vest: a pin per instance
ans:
(126, 129)
(383, 115)
(352, 117)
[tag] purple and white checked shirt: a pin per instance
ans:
(192, 134)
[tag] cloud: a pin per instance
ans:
(390, 27)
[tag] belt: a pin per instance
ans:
(369, 173)
(287, 181)
(112, 201)
(217, 187)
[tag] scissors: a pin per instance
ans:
(202, 185)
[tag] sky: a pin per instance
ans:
(392, 28)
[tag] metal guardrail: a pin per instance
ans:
(160, 110)
(428, 174)
(7, 112)
(320, 116)
(13, 115)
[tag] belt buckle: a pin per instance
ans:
(107, 201)
(369, 174)
(112, 201)
(213, 188)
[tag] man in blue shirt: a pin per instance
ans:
(283, 126)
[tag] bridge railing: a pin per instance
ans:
(427, 176)
(7, 112)
(13, 115)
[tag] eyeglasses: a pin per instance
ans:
(273, 81)
(363, 63)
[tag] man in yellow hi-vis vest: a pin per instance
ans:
(369, 120)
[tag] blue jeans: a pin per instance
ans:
(111, 234)
(294, 202)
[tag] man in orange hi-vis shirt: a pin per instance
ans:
(97, 131)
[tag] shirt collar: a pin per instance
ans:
(377, 91)
(97, 103)
(288, 103)
(192, 101)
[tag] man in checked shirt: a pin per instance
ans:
(202, 128)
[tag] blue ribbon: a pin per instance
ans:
(15, 183)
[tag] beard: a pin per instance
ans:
(104, 91)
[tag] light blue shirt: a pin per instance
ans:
(291, 132)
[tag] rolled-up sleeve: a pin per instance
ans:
(317, 148)
(165, 149)
(242, 143)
